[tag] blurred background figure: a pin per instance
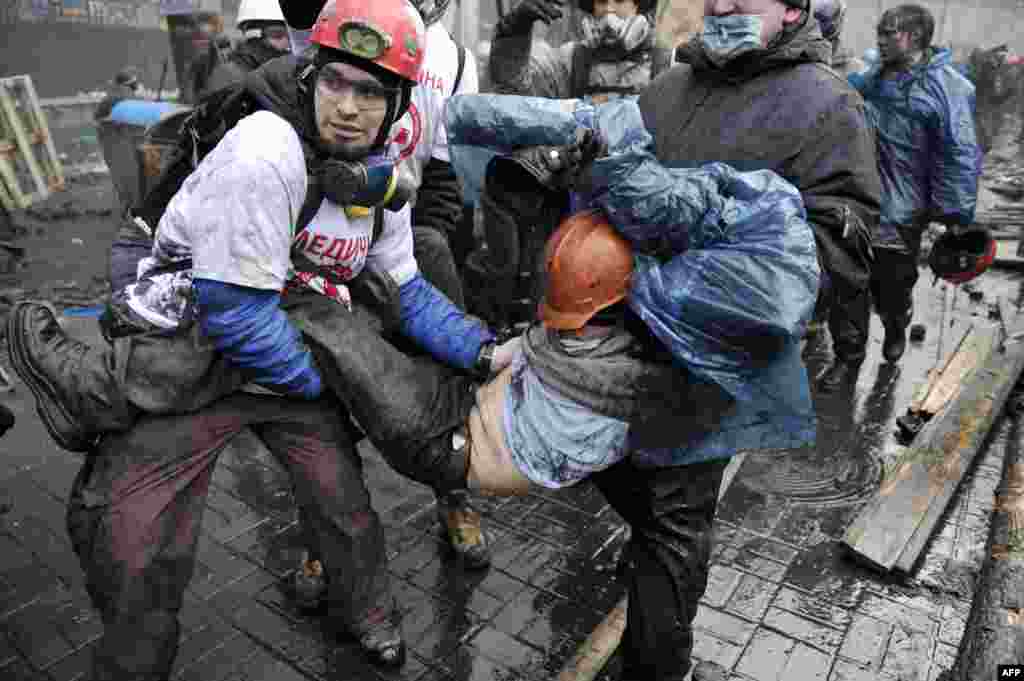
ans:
(125, 85)
(264, 37)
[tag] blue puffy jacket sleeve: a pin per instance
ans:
(249, 328)
(956, 155)
(438, 326)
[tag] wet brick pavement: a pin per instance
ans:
(783, 602)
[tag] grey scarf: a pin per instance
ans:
(612, 376)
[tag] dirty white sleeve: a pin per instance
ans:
(392, 251)
(469, 85)
(246, 211)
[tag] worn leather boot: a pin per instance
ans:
(380, 639)
(69, 379)
(307, 585)
(460, 525)
(895, 343)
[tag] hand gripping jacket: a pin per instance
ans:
(958, 258)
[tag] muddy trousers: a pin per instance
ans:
(665, 562)
(136, 509)
(848, 312)
(407, 406)
(893, 278)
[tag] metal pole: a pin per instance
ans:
(163, 80)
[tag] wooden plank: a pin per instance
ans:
(21, 137)
(13, 197)
(894, 527)
(953, 448)
(934, 374)
(594, 652)
(41, 129)
(972, 351)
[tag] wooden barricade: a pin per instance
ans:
(29, 167)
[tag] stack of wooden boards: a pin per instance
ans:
(29, 167)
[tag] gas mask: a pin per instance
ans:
(611, 30)
(727, 37)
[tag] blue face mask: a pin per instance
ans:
(730, 36)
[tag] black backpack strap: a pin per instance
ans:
(378, 225)
(579, 74)
(462, 67)
(314, 198)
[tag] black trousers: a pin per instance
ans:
(665, 563)
(893, 278)
(848, 311)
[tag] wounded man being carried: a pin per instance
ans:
(674, 301)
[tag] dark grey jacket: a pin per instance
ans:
(785, 110)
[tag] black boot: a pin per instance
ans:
(895, 343)
(380, 639)
(67, 377)
(461, 527)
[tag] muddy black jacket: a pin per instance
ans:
(248, 56)
(785, 110)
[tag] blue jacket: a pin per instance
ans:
(742, 263)
(928, 155)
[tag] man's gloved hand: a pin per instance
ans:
(519, 20)
(569, 164)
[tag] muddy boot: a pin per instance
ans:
(307, 586)
(380, 638)
(461, 528)
(74, 385)
(895, 343)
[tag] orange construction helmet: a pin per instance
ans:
(588, 267)
(388, 33)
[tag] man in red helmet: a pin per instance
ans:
(418, 139)
(227, 271)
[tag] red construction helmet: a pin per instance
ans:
(588, 266)
(958, 258)
(388, 33)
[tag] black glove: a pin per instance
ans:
(569, 164)
(519, 20)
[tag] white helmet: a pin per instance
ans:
(259, 10)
